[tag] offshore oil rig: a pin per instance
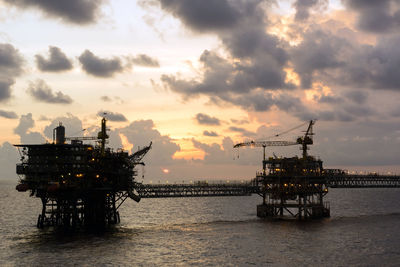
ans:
(293, 186)
(79, 184)
(82, 185)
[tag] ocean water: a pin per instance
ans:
(364, 230)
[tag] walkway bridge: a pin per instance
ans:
(363, 181)
(198, 189)
(204, 189)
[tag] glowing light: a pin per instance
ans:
(165, 171)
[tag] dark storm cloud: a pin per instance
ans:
(251, 74)
(221, 77)
(41, 92)
(145, 61)
(5, 89)
(205, 119)
(303, 8)
(328, 99)
(377, 16)
(216, 77)
(56, 62)
(374, 66)
(318, 52)
(10, 67)
(254, 64)
(111, 116)
(8, 114)
(358, 97)
(210, 133)
(10, 61)
(324, 56)
(72, 11)
(203, 15)
(100, 67)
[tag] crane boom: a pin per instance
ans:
(265, 143)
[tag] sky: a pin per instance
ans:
(195, 77)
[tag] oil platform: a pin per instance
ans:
(291, 186)
(80, 185)
(83, 185)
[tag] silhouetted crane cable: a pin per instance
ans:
(292, 129)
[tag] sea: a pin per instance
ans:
(363, 230)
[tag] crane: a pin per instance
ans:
(304, 141)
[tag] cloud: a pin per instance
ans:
(205, 119)
(365, 143)
(8, 114)
(326, 54)
(358, 97)
(253, 71)
(203, 15)
(253, 65)
(11, 63)
(375, 66)
(210, 133)
(5, 89)
(71, 11)
(376, 16)
(111, 116)
(41, 92)
(56, 62)
(26, 122)
(73, 126)
(8, 159)
(100, 67)
(106, 98)
(215, 153)
(240, 122)
(145, 61)
(303, 8)
(241, 130)
(141, 133)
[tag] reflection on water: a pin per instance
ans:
(363, 230)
